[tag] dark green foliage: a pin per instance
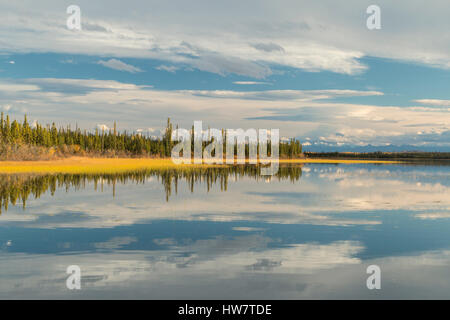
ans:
(101, 141)
(17, 133)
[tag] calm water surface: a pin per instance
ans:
(309, 232)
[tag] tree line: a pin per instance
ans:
(100, 141)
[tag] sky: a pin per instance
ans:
(312, 69)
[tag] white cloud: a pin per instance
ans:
(153, 133)
(235, 38)
(65, 83)
(250, 82)
(119, 65)
(296, 112)
(163, 67)
(434, 102)
(283, 94)
(6, 107)
(14, 87)
(102, 127)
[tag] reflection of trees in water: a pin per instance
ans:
(18, 188)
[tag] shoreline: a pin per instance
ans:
(82, 165)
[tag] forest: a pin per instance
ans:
(21, 141)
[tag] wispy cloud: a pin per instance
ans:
(305, 95)
(434, 102)
(119, 65)
(251, 82)
(68, 61)
(268, 47)
(163, 67)
(16, 87)
(300, 113)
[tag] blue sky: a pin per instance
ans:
(324, 78)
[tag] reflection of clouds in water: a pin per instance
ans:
(317, 199)
(165, 242)
(111, 214)
(397, 188)
(215, 261)
(240, 261)
(264, 265)
(142, 205)
(248, 229)
(200, 270)
(433, 215)
(5, 245)
(115, 243)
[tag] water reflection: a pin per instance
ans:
(309, 232)
(18, 188)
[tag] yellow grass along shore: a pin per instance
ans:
(80, 165)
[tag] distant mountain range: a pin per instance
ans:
(372, 148)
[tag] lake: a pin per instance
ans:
(227, 233)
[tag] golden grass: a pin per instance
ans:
(82, 165)
(90, 165)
